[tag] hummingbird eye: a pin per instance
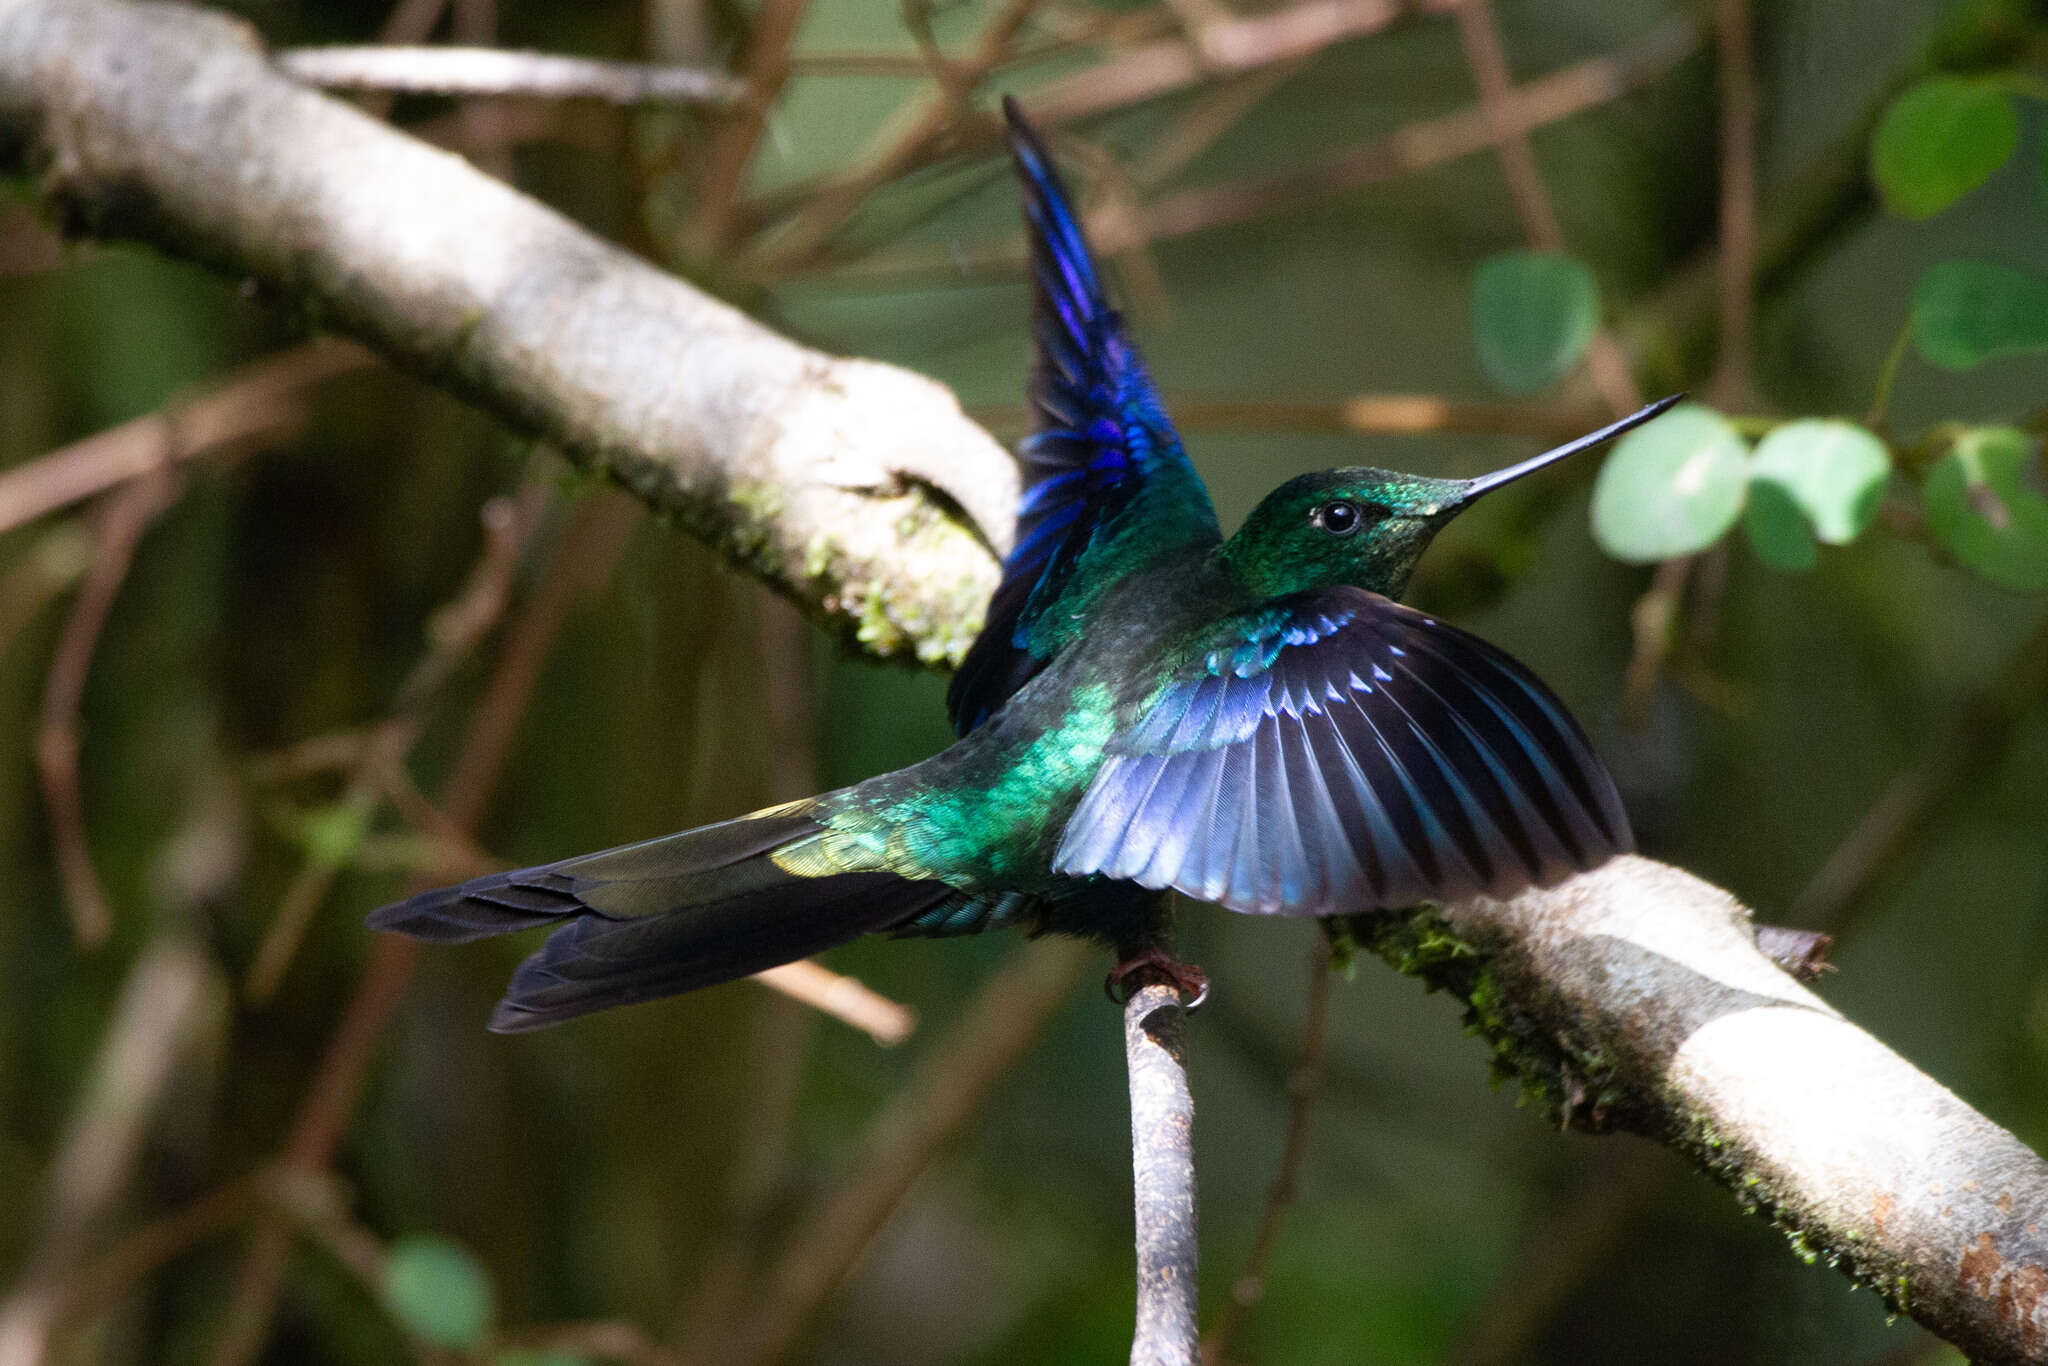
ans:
(1339, 518)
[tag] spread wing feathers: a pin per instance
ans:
(664, 916)
(1347, 754)
(1100, 436)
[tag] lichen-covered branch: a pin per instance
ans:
(821, 474)
(1634, 997)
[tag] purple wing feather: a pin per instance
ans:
(1345, 755)
(1100, 438)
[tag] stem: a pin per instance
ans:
(1163, 1178)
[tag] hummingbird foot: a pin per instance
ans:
(1155, 964)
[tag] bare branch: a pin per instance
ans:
(590, 550)
(732, 146)
(498, 71)
(1228, 46)
(126, 516)
(1419, 146)
(846, 999)
(1391, 414)
(1510, 138)
(167, 124)
(908, 140)
(1635, 997)
(259, 402)
(604, 1339)
(1733, 26)
(1162, 1178)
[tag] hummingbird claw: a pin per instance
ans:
(1156, 964)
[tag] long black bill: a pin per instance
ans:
(1486, 483)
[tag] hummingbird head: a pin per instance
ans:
(1368, 527)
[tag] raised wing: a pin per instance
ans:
(1340, 753)
(1102, 447)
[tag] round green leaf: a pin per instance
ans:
(439, 1291)
(1984, 503)
(1940, 140)
(1672, 487)
(1532, 315)
(1966, 312)
(1776, 529)
(1833, 472)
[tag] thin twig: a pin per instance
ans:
(626, 368)
(588, 551)
(1509, 134)
(1419, 146)
(1208, 121)
(599, 1339)
(500, 72)
(1162, 1178)
(409, 24)
(1733, 26)
(1374, 414)
(1304, 1088)
(846, 999)
(262, 401)
(901, 145)
(453, 633)
(484, 122)
(125, 517)
(43, 572)
(1138, 74)
(765, 69)
(1653, 624)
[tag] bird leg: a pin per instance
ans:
(1157, 964)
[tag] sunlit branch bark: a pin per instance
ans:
(169, 125)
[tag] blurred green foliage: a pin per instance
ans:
(591, 1169)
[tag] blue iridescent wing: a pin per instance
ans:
(1338, 752)
(1102, 445)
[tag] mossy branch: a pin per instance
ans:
(1635, 998)
(169, 125)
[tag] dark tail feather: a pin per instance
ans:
(662, 917)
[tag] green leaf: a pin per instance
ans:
(1833, 472)
(1984, 503)
(439, 1291)
(1940, 140)
(333, 833)
(546, 1356)
(1776, 529)
(1672, 487)
(1532, 315)
(1966, 312)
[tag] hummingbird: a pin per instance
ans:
(1150, 708)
